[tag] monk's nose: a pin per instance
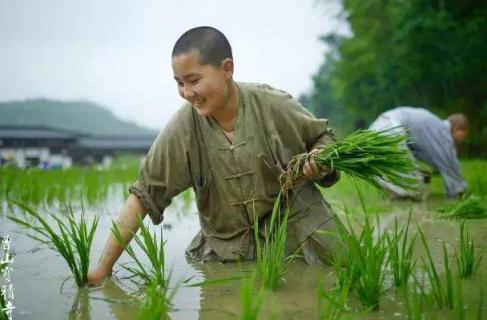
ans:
(188, 93)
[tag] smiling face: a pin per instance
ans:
(203, 85)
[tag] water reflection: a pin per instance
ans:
(81, 309)
(121, 304)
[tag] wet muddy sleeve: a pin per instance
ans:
(322, 141)
(163, 174)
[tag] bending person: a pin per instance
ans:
(431, 140)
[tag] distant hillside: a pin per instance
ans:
(79, 116)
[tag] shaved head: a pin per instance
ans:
(209, 43)
(458, 121)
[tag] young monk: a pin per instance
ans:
(229, 142)
(432, 140)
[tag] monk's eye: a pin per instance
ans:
(194, 81)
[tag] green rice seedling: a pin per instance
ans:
(332, 304)
(416, 300)
(153, 249)
(449, 287)
(477, 183)
(363, 258)
(364, 261)
(250, 300)
(73, 239)
(2, 298)
(468, 261)
(81, 307)
(366, 155)
(3, 315)
(401, 248)
(210, 282)
(458, 305)
(156, 304)
(459, 309)
(481, 301)
(432, 274)
(270, 255)
(36, 187)
(443, 293)
(346, 269)
(468, 208)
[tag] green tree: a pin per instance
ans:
(425, 53)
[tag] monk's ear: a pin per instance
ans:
(227, 67)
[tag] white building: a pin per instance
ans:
(36, 147)
(57, 148)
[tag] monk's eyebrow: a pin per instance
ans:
(188, 76)
(192, 75)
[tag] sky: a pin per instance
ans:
(117, 53)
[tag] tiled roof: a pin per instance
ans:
(7, 132)
(81, 141)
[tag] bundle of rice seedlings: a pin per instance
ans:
(251, 301)
(153, 248)
(468, 260)
(366, 154)
(270, 255)
(73, 239)
(468, 208)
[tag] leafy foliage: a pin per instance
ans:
(425, 53)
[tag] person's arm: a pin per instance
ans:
(327, 138)
(449, 167)
(311, 172)
(317, 136)
(443, 155)
(163, 175)
(127, 224)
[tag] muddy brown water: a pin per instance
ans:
(43, 287)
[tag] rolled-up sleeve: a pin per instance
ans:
(314, 132)
(164, 172)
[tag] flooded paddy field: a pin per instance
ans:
(45, 289)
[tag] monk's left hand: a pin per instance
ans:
(310, 169)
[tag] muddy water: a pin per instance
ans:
(45, 290)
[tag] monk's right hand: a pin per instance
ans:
(97, 275)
